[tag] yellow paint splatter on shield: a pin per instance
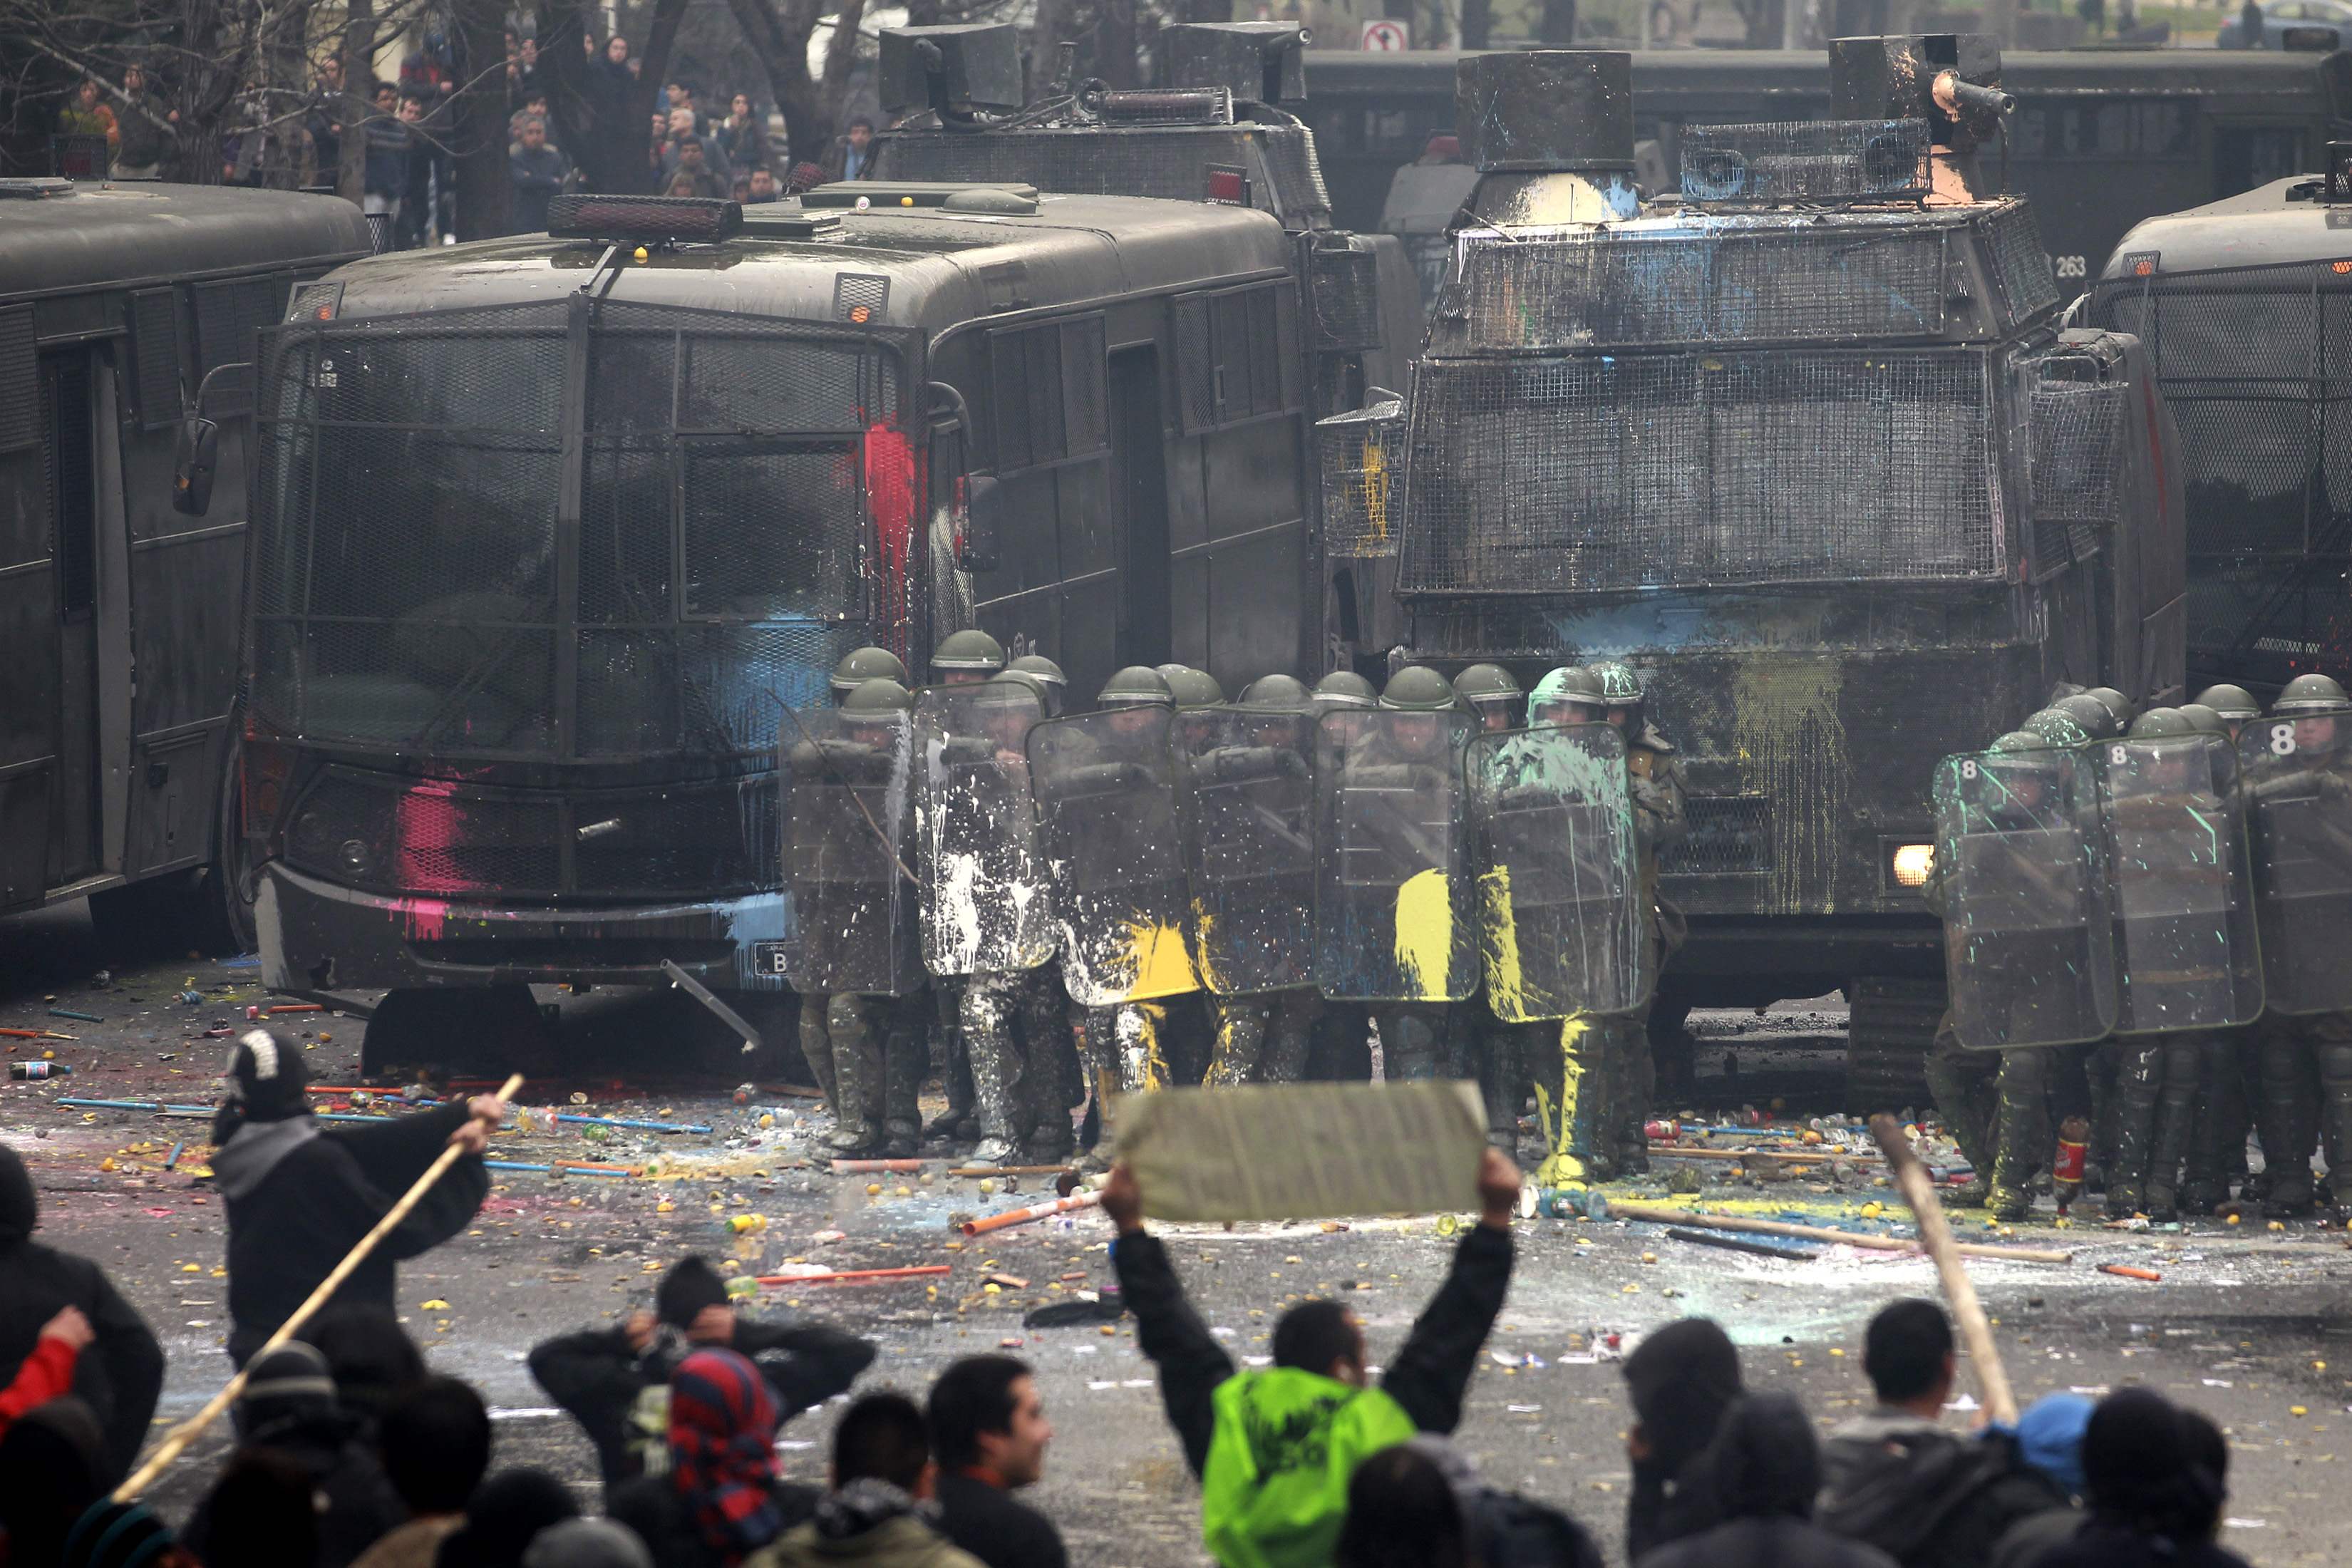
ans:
(1498, 946)
(1160, 965)
(1425, 934)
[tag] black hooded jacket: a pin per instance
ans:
(1764, 1469)
(1925, 1496)
(596, 1377)
(298, 1198)
(121, 1374)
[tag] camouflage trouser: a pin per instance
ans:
(1962, 1084)
(1006, 1087)
(816, 1048)
(906, 1023)
(857, 1083)
(1635, 1076)
(1124, 1056)
(1574, 1062)
(1504, 1058)
(1412, 1038)
(2227, 1063)
(1262, 1039)
(2307, 1083)
(1341, 1050)
(1049, 1049)
(948, 1057)
(2156, 1097)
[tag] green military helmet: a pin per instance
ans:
(2162, 724)
(1568, 683)
(2115, 702)
(2310, 694)
(1620, 686)
(1042, 667)
(2234, 703)
(1417, 689)
(1486, 683)
(1025, 679)
(1191, 688)
(2018, 741)
(1285, 692)
(869, 663)
(1137, 685)
(1344, 688)
(2204, 721)
(2093, 715)
(973, 649)
(882, 694)
(2056, 726)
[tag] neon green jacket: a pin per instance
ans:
(1275, 1491)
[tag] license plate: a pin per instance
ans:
(768, 959)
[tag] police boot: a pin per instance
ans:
(987, 1019)
(2205, 1186)
(1497, 1067)
(903, 1058)
(858, 1074)
(816, 1047)
(954, 1061)
(2290, 1128)
(2335, 1103)
(1959, 1085)
(1241, 1039)
(2137, 1079)
(1411, 1040)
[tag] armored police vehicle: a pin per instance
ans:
(549, 531)
(1807, 448)
(2240, 304)
(1217, 129)
(122, 309)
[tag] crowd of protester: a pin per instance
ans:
(407, 126)
(350, 1453)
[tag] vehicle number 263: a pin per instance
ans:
(2069, 266)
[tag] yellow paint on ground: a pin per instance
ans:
(1425, 934)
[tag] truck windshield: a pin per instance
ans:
(444, 566)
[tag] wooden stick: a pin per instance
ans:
(1670, 1214)
(851, 1276)
(1037, 1210)
(188, 1431)
(1911, 1179)
(984, 1171)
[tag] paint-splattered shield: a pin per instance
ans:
(2297, 782)
(2020, 868)
(1394, 917)
(1249, 801)
(1107, 828)
(2182, 890)
(986, 905)
(848, 795)
(1560, 928)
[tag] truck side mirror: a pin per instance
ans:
(982, 545)
(193, 462)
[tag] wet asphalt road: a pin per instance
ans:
(2252, 1326)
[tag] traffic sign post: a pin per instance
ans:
(1388, 35)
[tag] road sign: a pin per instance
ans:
(1388, 35)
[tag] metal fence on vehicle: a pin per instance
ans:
(1805, 160)
(1170, 161)
(1603, 472)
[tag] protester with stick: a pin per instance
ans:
(300, 1197)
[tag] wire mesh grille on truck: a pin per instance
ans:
(1748, 280)
(1362, 460)
(1618, 472)
(2077, 468)
(1805, 160)
(2255, 363)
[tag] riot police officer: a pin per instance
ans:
(962, 659)
(1498, 1055)
(2235, 704)
(842, 1032)
(2307, 1058)
(2231, 1064)
(1414, 1034)
(1493, 694)
(2156, 1077)
(1656, 776)
(1344, 688)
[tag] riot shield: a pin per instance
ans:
(1248, 803)
(2185, 951)
(1107, 829)
(2296, 777)
(2028, 950)
(986, 905)
(848, 795)
(1393, 917)
(1561, 928)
